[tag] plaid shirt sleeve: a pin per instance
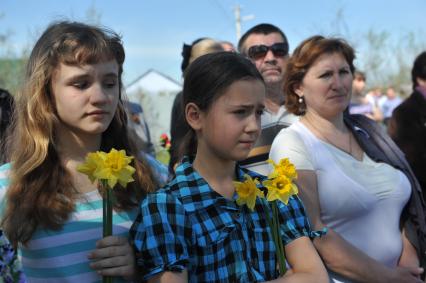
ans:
(294, 221)
(160, 233)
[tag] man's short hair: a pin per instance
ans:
(260, 29)
(419, 68)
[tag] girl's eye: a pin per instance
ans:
(344, 72)
(240, 111)
(81, 84)
(110, 84)
(260, 112)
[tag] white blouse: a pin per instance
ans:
(360, 200)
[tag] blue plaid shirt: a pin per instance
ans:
(187, 225)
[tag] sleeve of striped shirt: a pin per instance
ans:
(160, 234)
(4, 183)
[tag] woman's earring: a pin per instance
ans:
(300, 99)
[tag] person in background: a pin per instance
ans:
(359, 103)
(391, 101)
(193, 230)
(407, 126)
(352, 178)
(139, 133)
(6, 110)
(70, 105)
(178, 127)
(375, 96)
(139, 128)
(228, 46)
(267, 47)
(10, 266)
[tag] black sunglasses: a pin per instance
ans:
(259, 51)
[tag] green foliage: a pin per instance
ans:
(386, 57)
(11, 73)
(388, 62)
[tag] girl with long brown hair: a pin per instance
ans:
(71, 104)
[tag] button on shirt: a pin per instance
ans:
(187, 225)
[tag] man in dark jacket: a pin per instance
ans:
(407, 126)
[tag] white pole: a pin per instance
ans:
(237, 13)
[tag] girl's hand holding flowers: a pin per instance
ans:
(113, 255)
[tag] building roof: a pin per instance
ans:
(153, 81)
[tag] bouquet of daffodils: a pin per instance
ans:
(279, 187)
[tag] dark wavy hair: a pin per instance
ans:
(6, 110)
(303, 58)
(41, 192)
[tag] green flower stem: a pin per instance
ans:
(107, 211)
(107, 219)
(278, 241)
(274, 225)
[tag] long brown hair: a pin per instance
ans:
(41, 192)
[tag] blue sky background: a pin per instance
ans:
(154, 30)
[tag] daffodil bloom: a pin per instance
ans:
(284, 167)
(94, 160)
(115, 168)
(247, 192)
(280, 188)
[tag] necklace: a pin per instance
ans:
(324, 137)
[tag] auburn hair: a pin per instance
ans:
(302, 59)
(41, 192)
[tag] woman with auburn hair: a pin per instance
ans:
(352, 177)
(70, 105)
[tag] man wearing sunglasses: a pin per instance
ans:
(267, 47)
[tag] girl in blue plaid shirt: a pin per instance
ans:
(192, 230)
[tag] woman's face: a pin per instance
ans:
(326, 86)
(86, 96)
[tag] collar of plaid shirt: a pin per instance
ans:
(198, 194)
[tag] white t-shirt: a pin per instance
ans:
(271, 124)
(360, 200)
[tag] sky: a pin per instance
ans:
(153, 31)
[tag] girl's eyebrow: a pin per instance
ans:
(247, 106)
(84, 75)
(77, 77)
(112, 74)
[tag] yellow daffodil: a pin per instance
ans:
(280, 188)
(112, 167)
(115, 168)
(108, 169)
(284, 167)
(247, 192)
(94, 161)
